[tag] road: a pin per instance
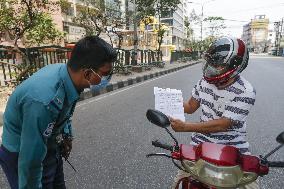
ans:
(113, 135)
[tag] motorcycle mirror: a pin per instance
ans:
(158, 118)
(280, 138)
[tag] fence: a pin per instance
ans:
(125, 59)
(14, 67)
(183, 56)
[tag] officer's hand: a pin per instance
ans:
(177, 125)
(67, 147)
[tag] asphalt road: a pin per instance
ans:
(113, 135)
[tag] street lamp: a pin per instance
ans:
(201, 23)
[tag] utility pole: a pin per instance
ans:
(202, 14)
(278, 29)
(134, 53)
(127, 14)
(280, 37)
(201, 28)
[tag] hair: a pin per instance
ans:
(91, 52)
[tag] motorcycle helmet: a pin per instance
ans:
(226, 58)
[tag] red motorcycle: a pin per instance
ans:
(212, 165)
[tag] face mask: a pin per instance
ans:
(104, 82)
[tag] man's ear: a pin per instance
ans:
(87, 73)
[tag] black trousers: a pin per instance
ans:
(52, 176)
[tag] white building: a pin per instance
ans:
(271, 39)
(174, 38)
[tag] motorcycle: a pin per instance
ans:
(210, 165)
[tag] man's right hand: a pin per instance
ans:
(177, 125)
(66, 147)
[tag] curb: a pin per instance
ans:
(131, 81)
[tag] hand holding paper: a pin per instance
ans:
(170, 102)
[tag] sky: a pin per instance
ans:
(241, 11)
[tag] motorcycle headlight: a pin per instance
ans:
(218, 176)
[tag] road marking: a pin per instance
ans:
(269, 57)
(130, 87)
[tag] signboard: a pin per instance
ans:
(75, 30)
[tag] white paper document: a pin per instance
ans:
(170, 102)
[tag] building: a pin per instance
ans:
(271, 39)
(255, 34)
(279, 41)
(69, 11)
(175, 36)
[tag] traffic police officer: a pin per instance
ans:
(37, 129)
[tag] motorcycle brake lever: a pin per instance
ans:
(158, 154)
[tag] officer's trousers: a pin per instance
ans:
(52, 176)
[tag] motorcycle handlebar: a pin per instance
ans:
(276, 164)
(157, 143)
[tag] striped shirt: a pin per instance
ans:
(234, 102)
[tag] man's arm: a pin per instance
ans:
(191, 106)
(37, 124)
(212, 126)
(194, 102)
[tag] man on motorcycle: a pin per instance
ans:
(225, 99)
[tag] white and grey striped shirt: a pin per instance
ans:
(233, 102)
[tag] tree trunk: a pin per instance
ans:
(108, 34)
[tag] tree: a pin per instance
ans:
(97, 18)
(30, 22)
(216, 25)
(194, 18)
(208, 41)
(90, 16)
(114, 21)
(146, 8)
(189, 33)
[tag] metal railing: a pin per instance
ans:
(14, 67)
(183, 56)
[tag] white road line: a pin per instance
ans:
(127, 88)
(268, 57)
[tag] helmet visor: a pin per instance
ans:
(214, 70)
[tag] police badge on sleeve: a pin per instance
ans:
(49, 129)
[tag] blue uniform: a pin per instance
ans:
(46, 98)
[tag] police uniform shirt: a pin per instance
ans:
(47, 97)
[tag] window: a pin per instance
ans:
(167, 14)
(168, 22)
